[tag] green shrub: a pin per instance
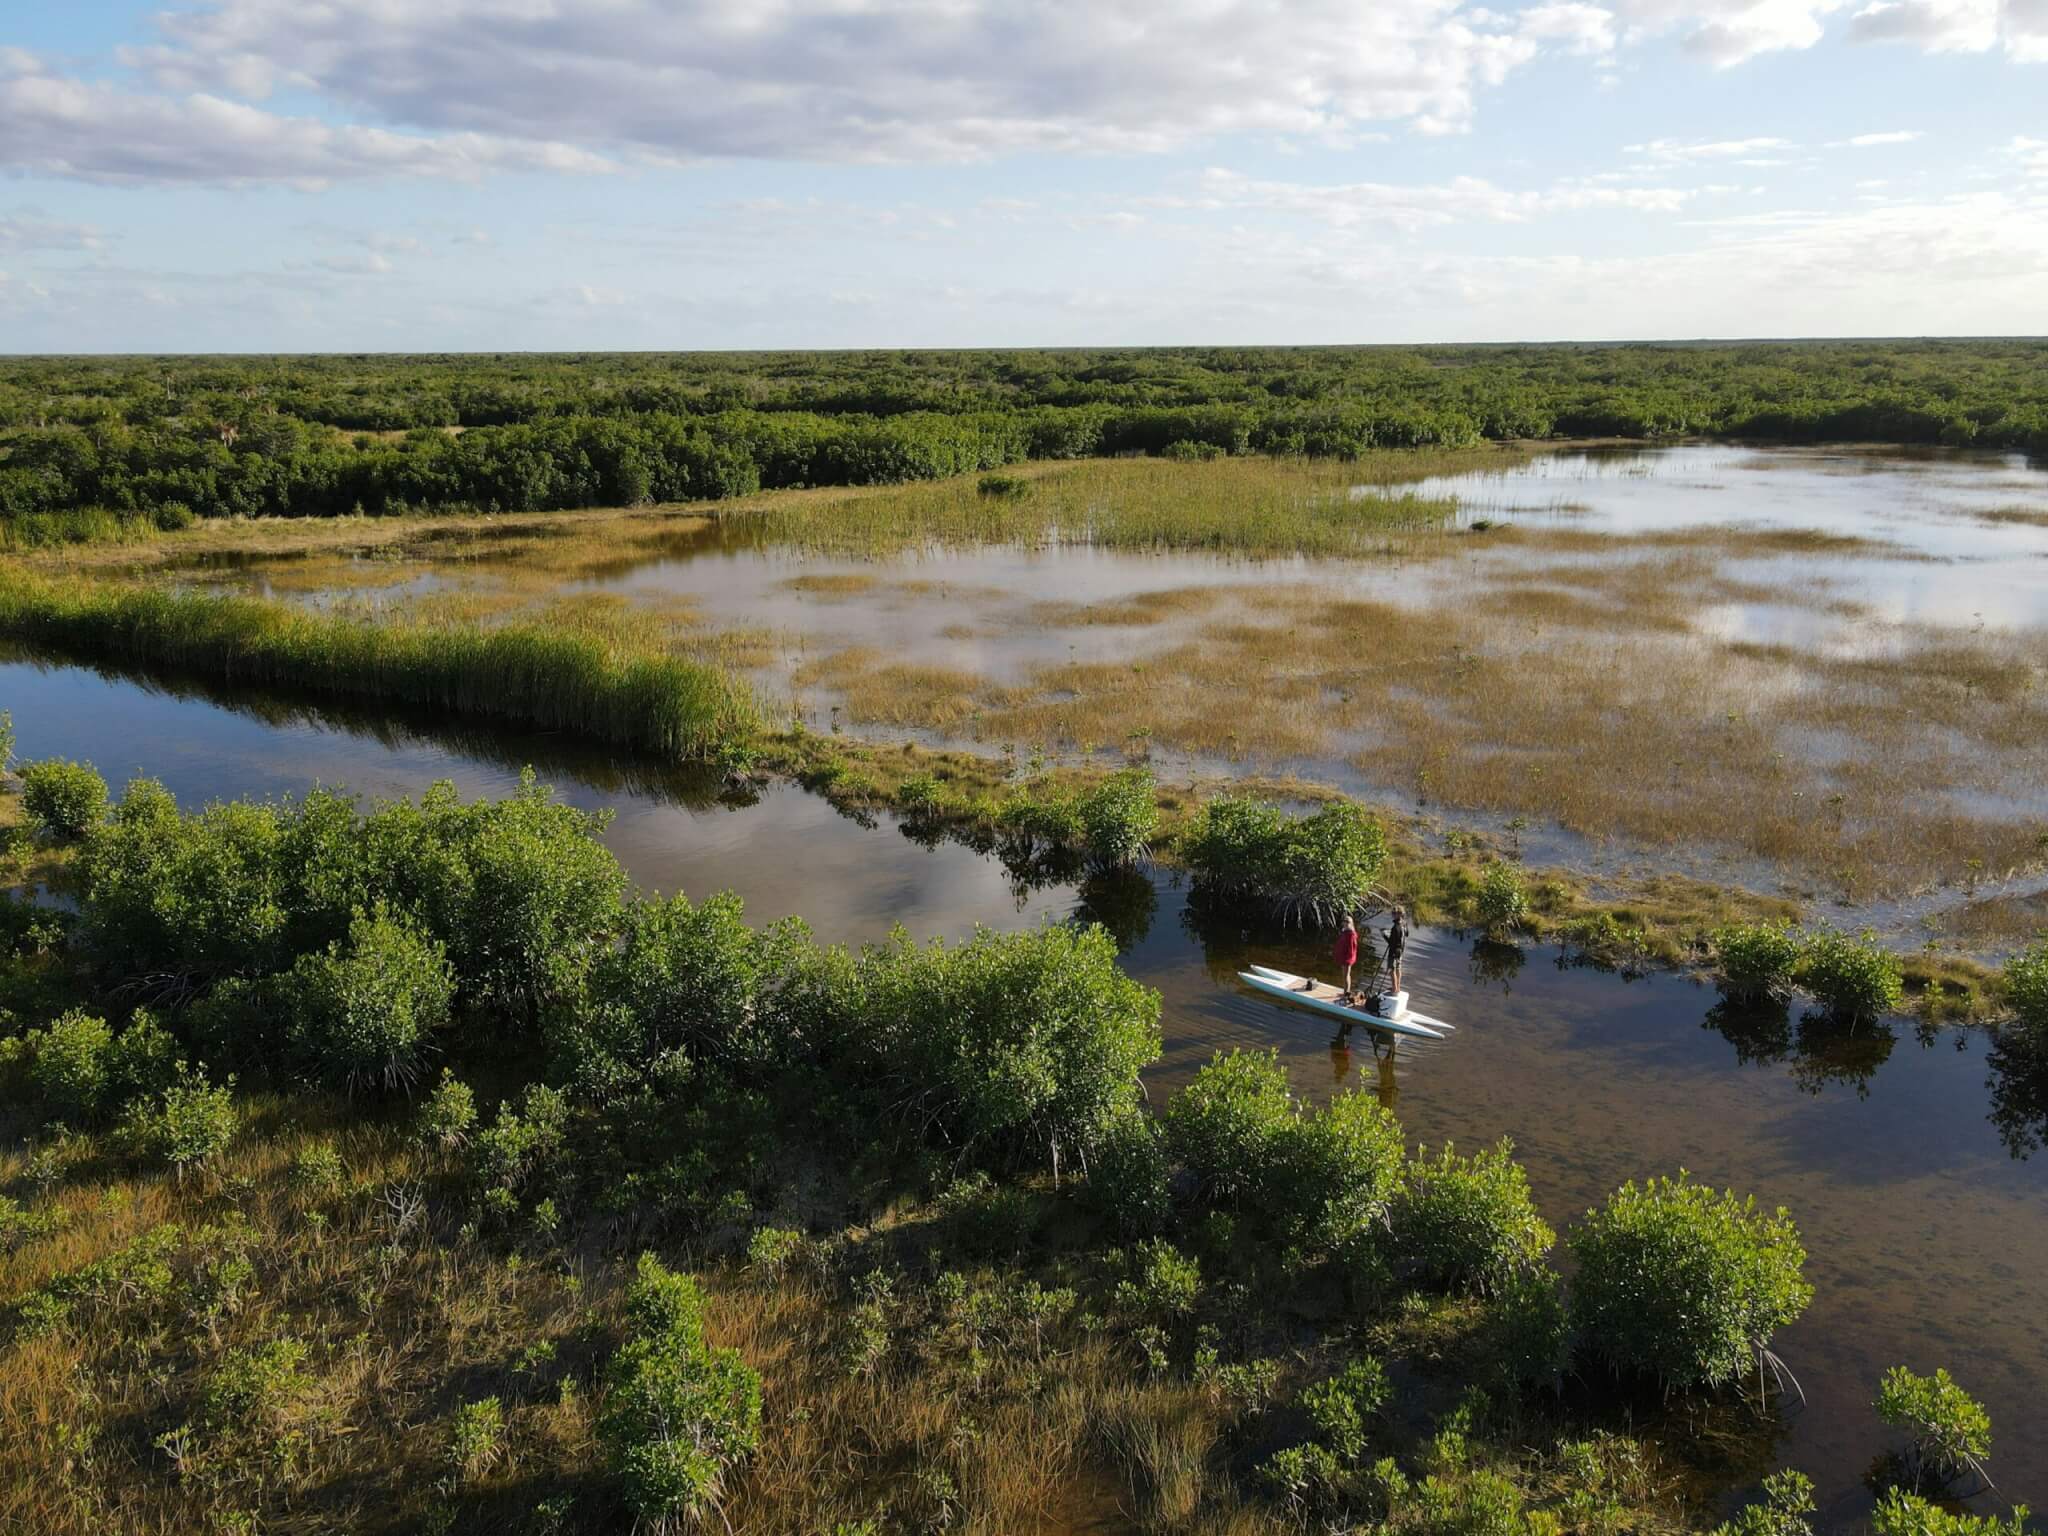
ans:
(476, 1440)
(186, 1126)
(70, 1069)
(920, 796)
(1334, 1172)
(1224, 1124)
(1306, 1479)
(1685, 1284)
(1468, 1222)
(678, 1416)
(6, 739)
(1850, 978)
(773, 1249)
(1951, 1431)
(1900, 1513)
(257, 1384)
(1528, 1328)
(1003, 487)
(1343, 1408)
(1127, 1174)
(683, 977)
(520, 1154)
(1163, 1282)
(317, 1171)
(1043, 816)
(61, 798)
(2024, 985)
(520, 892)
(1785, 1510)
(143, 1060)
(1313, 868)
(1119, 816)
(1755, 960)
(1502, 902)
(1027, 1045)
(447, 1114)
(367, 1011)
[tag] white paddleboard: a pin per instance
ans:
(1402, 1013)
(1324, 999)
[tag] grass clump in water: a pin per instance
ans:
(527, 674)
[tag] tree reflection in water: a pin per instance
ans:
(1820, 1050)
(2019, 1089)
(1495, 962)
(1123, 900)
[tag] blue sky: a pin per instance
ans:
(273, 175)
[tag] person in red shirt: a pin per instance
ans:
(1347, 952)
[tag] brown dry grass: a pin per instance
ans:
(103, 1429)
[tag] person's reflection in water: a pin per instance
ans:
(1340, 1055)
(1389, 1090)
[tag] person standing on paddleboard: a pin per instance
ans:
(1347, 952)
(1397, 946)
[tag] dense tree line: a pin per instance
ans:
(165, 438)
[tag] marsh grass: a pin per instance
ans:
(1594, 705)
(553, 676)
(1248, 507)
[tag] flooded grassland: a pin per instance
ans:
(1816, 673)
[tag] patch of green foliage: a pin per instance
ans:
(1316, 867)
(1756, 960)
(1118, 817)
(1900, 1513)
(1851, 978)
(679, 1417)
(1786, 1509)
(1950, 1429)
(61, 798)
(2024, 985)
(1683, 1283)
(1468, 1222)
(1502, 902)
(366, 1010)
(1224, 1125)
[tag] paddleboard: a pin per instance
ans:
(1323, 998)
(1402, 1012)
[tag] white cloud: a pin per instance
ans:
(1678, 151)
(1875, 140)
(1583, 29)
(1408, 209)
(1729, 34)
(93, 131)
(27, 230)
(1939, 26)
(832, 80)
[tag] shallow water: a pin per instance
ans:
(1928, 1237)
(1963, 567)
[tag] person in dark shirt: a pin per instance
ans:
(1397, 946)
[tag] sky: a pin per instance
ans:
(501, 175)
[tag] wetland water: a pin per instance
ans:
(1928, 1238)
